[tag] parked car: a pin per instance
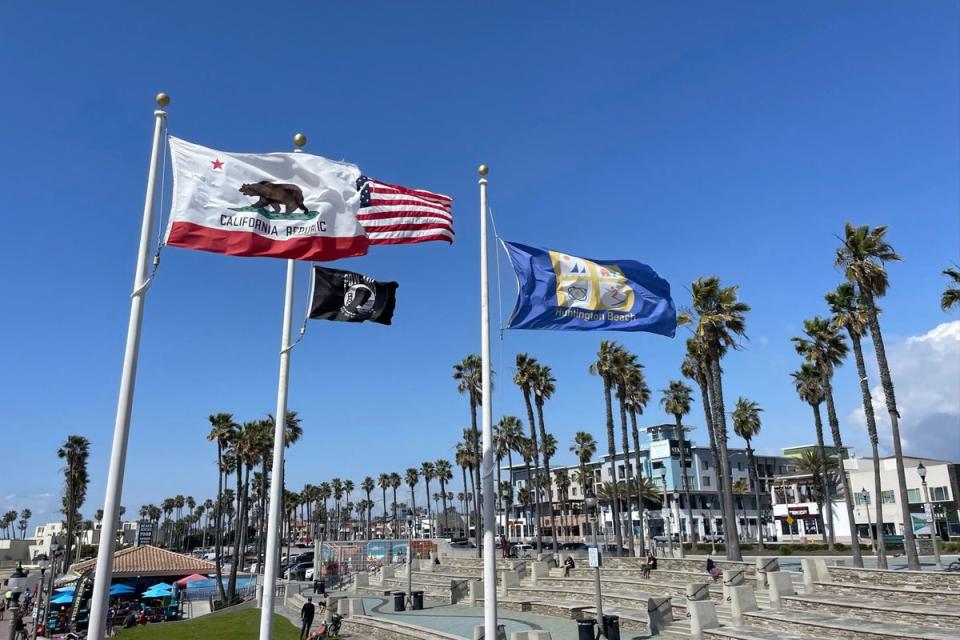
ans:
(713, 537)
(462, 544)
(572, 546)
(663, 537)
(298, 571)
(522, 550)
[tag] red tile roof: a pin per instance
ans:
(150, 561)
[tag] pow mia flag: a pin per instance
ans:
(351, 297)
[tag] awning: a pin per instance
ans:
(121, 590)
(182, 582)
(62, 598)
(68, 589)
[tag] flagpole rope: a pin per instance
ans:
(142, 289)
(496, 236)
(303, 327)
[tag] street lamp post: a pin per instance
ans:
(410, 560)
(43, 563)
(590, 502)
(676, 507)
(922, 471)
(865, 498)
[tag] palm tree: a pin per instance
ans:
(444, 474)
(25, 516)
(395, 482)
(464, 458)
(809, 386)
(412, 477)
(469, 376)
(606, 367)
(525, 378)
(562, 480)
(74, 452)
(626, 365)
(824, 348)
(543, 386)
(509, 429)
(862, 257)
(951, 295)
(694, 368)
(428, 473)
(383, 481)
(583, 447)
(222, 428)
(676, 401)
(638, 395)
(740, 489)
(368, 486)
(746, 424)
(847, 313)
(822, 471)
(720, 321)
(337, 485)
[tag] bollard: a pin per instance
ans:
(765, 566)
(742, 600)
(703, 616)
(810, 575)
(731, 578)
(474, 592)
(387, 572)
(508, 580)
(780, 585)
(478, 632)
(698, 591)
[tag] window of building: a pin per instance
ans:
(658, 464)
(706, 465)
(939, 494)
(706, 481)
(914, 496)
(888, 497)
(858, 498)
(739, 466)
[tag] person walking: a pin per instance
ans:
(306, 617)
(3, 606)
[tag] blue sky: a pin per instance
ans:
(700, 138)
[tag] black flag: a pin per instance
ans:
(351, 297)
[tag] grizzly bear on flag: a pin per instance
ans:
(275, 194)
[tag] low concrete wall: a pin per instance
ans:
(933, 580)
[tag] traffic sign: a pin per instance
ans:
(790, 519)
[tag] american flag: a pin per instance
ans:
(392, 214)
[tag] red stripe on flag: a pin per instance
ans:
(396, 202)
(411, 239)
(410, 226)
(385, 215)
(246, 243)
(392, 188)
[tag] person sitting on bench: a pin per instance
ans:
(567, 565)
(649, 565)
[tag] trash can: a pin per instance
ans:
(320, 586)
(585, 629)
(417, 598)
(611, 625)
(398, 601)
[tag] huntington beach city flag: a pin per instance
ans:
(281, 205)
(351, 297)
(562, 291)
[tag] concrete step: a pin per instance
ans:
(825, 626)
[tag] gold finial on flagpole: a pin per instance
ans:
(483, 170)
(299, 139)
(163, 100)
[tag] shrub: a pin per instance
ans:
(840, 546)
(786, 550)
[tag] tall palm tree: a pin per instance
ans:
(525, 449)
(720, 322)
(848, 314)
(368, 486)
(625, 366)
(583, 447)
(543, 386)
(746, 424)
(428, 473)
(444, 474)
(563, 488)
(222, 428)
(383, 481)
(75, 452)
(809, 386)
(825, 348)
(468, 374)
(412, 477)
(862, 256)
(638, 395)
(951, 295)
(525, 377)
(606, 367)
(822, 471)
(510, 428)
(740, 488)
(395, 482)
(676, 401)
(25, 516)
(694, 368)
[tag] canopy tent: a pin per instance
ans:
(68, 589)
(182, 582)
(62, 598)
(161, 585)
(121, 590)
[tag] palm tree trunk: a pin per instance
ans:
(844, 480)
(443, 505)
(473, 492)
(638, 463)
(685, 483)
(732, 543)
(465, 505)
(498, 496)
(612, 450)
(711, 432)
(534, 481)
(751, 460)
(826, 510)
(549, 482)
(475, 479)
(629, 475)
(909, 541)
(872, 431)
(429, 510)
(218, 525)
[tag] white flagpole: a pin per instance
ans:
(271, 559)
(128, 379)
(486, 469)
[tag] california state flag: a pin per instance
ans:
(281, 205)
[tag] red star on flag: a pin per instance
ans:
(217, 164)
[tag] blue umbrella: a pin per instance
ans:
(121, 590)
(68, 589)
(61, 598)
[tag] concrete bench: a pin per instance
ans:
(942, 617)
(822, 625)
(931, 580)
(889, 593)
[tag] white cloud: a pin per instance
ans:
(926, 378)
